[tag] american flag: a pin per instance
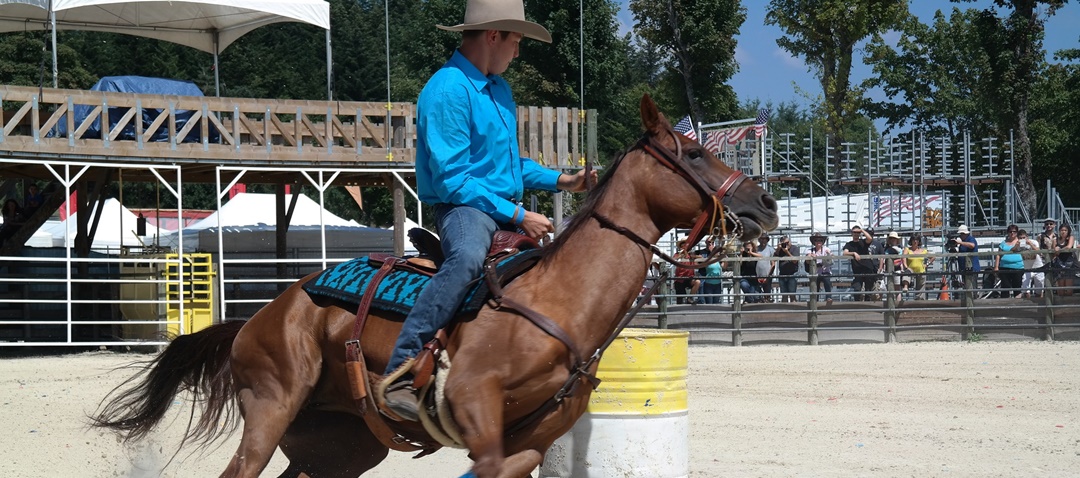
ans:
(715, 140)
(894, 204)
(761, 124)
(686, 127)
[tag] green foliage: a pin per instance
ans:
(824, 33)
(932, 77)
(1055, 125)
(25, 61)
(697, 37)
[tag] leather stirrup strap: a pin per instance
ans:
(358, 378)
(352, 347)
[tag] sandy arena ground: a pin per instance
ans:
(1007, 409)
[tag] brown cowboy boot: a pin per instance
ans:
(402, 398)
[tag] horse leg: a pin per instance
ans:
(478, 410)
(520, 464)
(330, 444)
(273, 381)
(266, 419)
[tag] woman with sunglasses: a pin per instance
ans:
(1010, 264)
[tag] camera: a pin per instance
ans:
(952, 242)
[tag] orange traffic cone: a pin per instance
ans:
(944, 295)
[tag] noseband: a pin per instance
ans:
(718, 197)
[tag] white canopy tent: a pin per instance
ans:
(252, 209)
(207, 25)
(116, 229)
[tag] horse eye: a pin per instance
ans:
(695, 154)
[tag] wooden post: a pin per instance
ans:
(399, 217)
(1048, 304)
(662, 300)
(534, 134)
(575, 137)
(547, 140)
(736, 310)
(562, 138)
(812, 304)
(969, 304)
(590, 136)
(890, 302)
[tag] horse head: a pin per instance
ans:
(699, 190)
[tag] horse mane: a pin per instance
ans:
(583, 216)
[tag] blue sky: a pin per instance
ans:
(771, 74)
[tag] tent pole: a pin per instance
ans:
(52, 28)
(217, 78)
(329, 69)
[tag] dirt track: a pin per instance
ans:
(918, 409)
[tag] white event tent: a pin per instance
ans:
(207, 25)
(116, 228)
(254, 209)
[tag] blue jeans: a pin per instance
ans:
(711, 292)
(824, 287)
(788, 286)
(751, 289)
(465, 234)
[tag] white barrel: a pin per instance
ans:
(637, 423)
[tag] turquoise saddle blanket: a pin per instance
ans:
(399, 290)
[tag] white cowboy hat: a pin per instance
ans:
(502, 15)
(963, 229)
(894, 235)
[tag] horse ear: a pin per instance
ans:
(651, 118)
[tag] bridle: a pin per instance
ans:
(706, 222)
(719, 197)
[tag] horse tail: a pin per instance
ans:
(198, 363)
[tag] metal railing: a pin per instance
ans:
(954, 304)
(58, 307)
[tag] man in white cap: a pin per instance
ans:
(968, 266)
(967, 243)
(468, 167)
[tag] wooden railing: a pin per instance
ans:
(218, 128)
(35, 124)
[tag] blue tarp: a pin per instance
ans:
(138, 84)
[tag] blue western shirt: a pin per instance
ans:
(467, 149)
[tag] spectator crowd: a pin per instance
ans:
(887, 267)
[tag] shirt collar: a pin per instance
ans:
(478, 80)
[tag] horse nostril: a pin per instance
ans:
(770, 203)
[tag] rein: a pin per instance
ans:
(719, 197)
(581, 369)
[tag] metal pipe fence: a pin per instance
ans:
(137, 299)
(954, 304)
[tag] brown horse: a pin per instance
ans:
(286, 365)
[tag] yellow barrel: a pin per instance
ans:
(637, 423)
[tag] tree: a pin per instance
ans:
(25, 61)
(824, 33)
(1055, 125)
(1014, 43)
(698, 36)
(933, 77)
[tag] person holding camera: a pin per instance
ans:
(765, 267)
(965, 242)
(863, 269)
(786, 269)
(820, 253)
(1065, 259)
(893, 248)
(1032, 281)
(748, 280)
